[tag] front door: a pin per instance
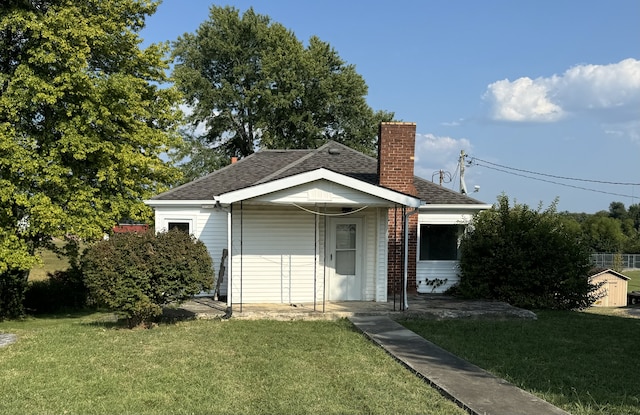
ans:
(346, 259)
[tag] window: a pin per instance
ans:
(181, 226)
(440, 242)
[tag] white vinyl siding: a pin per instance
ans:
(279, 253)
(369, 249)
(320, 191)
(208, 225)
(382, 255)
(278, 256)
(279, 250)
(428, 272)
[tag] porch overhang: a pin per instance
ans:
(386, 196)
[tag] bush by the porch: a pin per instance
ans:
(136, 274)
(525, 257)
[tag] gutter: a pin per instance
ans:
(406, 252)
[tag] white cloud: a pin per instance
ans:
(438, 152)
(581, 88)
(453, 123)
(629, 129)
(522, 100)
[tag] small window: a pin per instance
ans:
(181, 226)
(440, 242)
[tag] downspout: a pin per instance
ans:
(406, 253)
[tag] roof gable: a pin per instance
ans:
(287, 182)
(270, 165)
(598, 272)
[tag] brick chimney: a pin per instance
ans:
(396, 148)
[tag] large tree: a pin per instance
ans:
(250, 82)
(604, 233)
(83, 122)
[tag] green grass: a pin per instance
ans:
(584, 363)
(634, 283)
(50, 263)
(83, 365)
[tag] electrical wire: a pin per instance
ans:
(551, 181)
(474, 159)
(329, 214)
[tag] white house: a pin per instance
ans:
(326, 224)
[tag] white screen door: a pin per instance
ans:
(346, 281)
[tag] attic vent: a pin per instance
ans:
(334, 151)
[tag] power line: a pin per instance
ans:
(551, 181)
(474, 159)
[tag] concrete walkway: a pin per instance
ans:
(474, 389)
(7, 338)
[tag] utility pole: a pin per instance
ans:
(463, 186)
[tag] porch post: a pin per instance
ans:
(324, 262)
(241, 241)
(230, 256)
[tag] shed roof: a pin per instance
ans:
(269, 165)
(599, 271)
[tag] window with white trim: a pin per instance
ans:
(181, 225)
(440, 242)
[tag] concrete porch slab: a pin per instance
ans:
(420, 305)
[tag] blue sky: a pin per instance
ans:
(541, 86)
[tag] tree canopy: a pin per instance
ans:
(83, 121)
(252, 83)
(614, 231)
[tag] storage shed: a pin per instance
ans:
(613, 290)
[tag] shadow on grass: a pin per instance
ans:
(110, 319)
(72, 313)
(170, 315)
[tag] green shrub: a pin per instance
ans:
(62, 290)
(136, 274)
(525, 257)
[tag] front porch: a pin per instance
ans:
(435, 306)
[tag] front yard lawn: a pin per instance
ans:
(88, 365)
(585, 363)
(634, 283)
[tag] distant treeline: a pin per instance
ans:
(615, 230)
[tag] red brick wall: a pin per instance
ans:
(395, 276)
(396, 150)
(130, 228)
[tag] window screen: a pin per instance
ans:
(439, 242)
(181, 226)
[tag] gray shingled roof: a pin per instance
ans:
(267, 165)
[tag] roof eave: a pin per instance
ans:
(178, 202)
(460, 206)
